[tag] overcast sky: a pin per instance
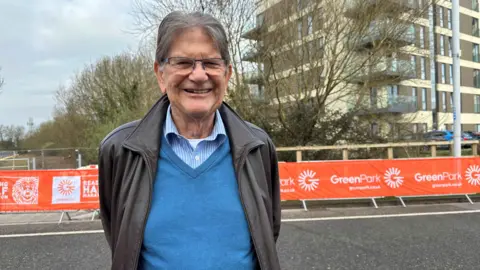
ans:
(44, 42)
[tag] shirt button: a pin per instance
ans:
(197, 158)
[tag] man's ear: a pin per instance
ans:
(228, 73)
(159, 74)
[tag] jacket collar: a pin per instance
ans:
(145, 138)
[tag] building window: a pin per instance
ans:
(422, 37)
(413, 62)
(475, 31)
(422, 68)
(434, 100)
(299, 5)
(414, 96)
(415, 128)
(477, 128)
(475, 5)
(449, 17)
(450, 46)
(392, 92)
(444, 73)
(451, 101)
(440, 16)
(476, 104)
(309, 25)
(373, 97)
(375, 129)
(424, 99)
(442, 47)
(444, 101)
(299, 29)
(450, 75)
(424, 127)
(476, 78)
(475, 52)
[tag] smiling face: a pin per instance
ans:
(196, 93)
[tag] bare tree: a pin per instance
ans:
(319, 65)
(235, 15)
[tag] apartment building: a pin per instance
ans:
(425, 94)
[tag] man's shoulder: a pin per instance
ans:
(119, 134)
(259, 133)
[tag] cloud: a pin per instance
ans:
(44, 43)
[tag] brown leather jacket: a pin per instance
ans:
(128, 164)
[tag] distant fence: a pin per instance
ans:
(384, 151)
(46, 159)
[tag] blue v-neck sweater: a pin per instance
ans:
(196, 219)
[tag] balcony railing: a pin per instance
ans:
(476, 31)
(388, 69)
(253, 29)
(386, 31)
(476, 108)
(391, 104)
(253, 77)
(355, 8)
(251, 55)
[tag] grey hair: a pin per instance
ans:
(176, 22)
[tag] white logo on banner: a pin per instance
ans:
(66, 189)
(392, 178)
(25, 190)
(473, 175)
(307, 180)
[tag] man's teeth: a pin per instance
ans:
(197, 91)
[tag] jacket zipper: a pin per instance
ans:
(249, 222)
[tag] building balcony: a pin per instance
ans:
(382, 31)
(388, 70)
(251, 55)
(254, 31)
(391, 104)
(357, 8)
(253, 78)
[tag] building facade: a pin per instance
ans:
(425, 95)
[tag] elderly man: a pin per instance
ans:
(191, 185)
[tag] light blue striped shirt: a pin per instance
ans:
(194, 157)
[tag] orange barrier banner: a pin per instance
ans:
(53, 190)
(377, 178)
(48, 190)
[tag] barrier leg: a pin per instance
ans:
(304, 205)
(61, 217)
(374, 202)
(94, 213)
(403, 203)
(468, 198)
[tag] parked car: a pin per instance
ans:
(439, 136)
(472, 135)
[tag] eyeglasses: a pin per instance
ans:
(186, 64)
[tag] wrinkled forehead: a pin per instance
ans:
(187, 34)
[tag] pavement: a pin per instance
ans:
(46, 217)
(441, 236)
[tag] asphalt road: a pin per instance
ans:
(414, 242)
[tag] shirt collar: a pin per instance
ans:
(170, 129)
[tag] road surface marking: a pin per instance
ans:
(382, 216)
(50, 233)
(48, 222)
(283, 220)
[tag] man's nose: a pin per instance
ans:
(198, 73)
